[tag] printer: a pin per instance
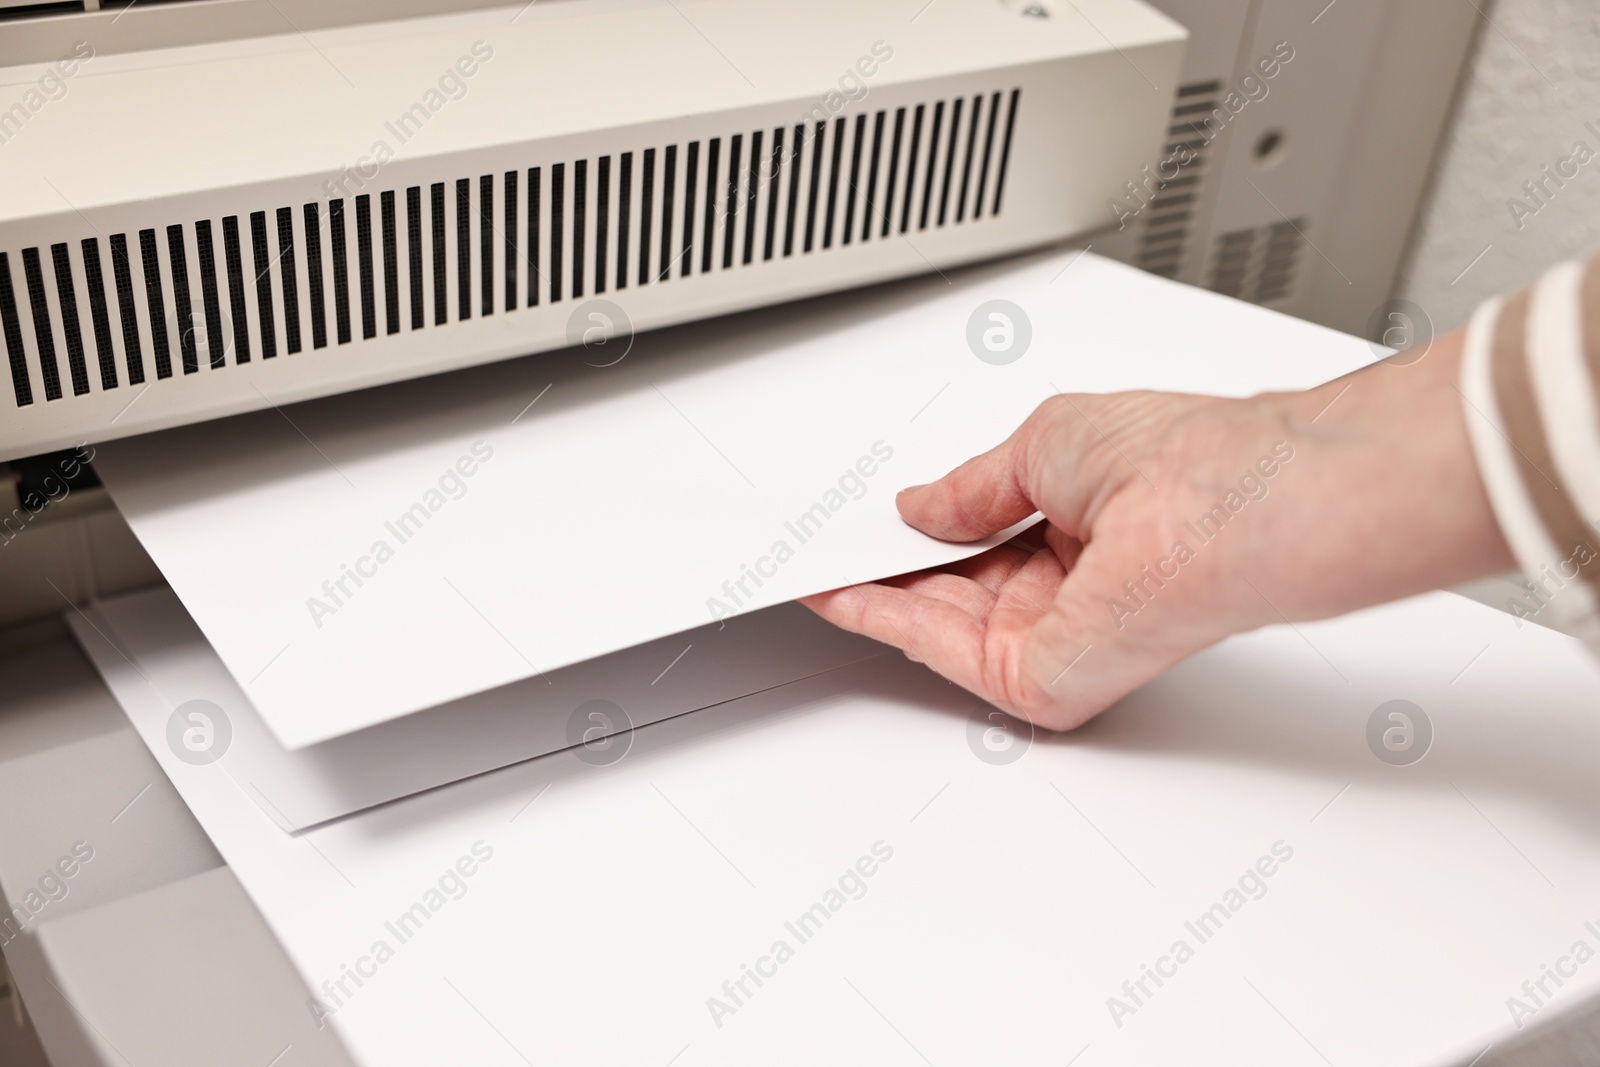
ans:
(279, 225)
(221, 206)
(215, 207)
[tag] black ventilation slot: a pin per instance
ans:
(668, 176)
(751, 190)
(414, 252)
(211, 325)
(319, 325)
(486, 244)
(624, 204)
(988, 152)
(730, 201)
(950, 158)
(558, 192)
(341, 271)
(966, 165)
(833, 184)
(236, 298)
(391, 263)
(911, 168)
(291, 281)
(155, 303)
(66, 296)
(563, 230)
(104, 347)
(43, 336)
(181, 299)
(870, 209)
(533, 237)
(580, 205)
(369, 301)
(263, 262)
(894, 171)
(855, 179)
(263, 266)
(646, 202)
(510, 240)
(13, 331)
(127, 309)
(713, 150)
(687, 255)
(932, 168)
(441, 284)
(818, 134)
(795, 167)
(463, 249)
(602, 217)
(1005, 149)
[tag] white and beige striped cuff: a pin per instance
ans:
(1531, 381)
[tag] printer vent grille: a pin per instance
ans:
(1169, 215)
(1258, 263)
(429, 254)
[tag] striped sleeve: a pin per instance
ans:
(1531, 381)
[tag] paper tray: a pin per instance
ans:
(150, 640)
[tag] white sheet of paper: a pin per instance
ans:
(611, 506)
(585, 703)
(616, 901)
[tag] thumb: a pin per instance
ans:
(982, 496)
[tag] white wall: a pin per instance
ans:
(1510, 121)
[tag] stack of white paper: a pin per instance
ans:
(584, 703)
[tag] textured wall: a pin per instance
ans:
(1532, 85)
(1510, 122)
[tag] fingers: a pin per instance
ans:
(991, 569)
(1061, 461)
(1081, 656)
(1038, 649)
(971, 585)
(927, 629)
(1066, 547)
(1028, 594)
(972, 630)
(970, 595)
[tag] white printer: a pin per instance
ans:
(218, 206)
(238, 205)
(280, 224)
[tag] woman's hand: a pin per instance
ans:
(1173, 521)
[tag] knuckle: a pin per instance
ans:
(1051, 413)
(961, 511)
(1040, 437)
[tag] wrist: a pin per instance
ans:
(1393, 476)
